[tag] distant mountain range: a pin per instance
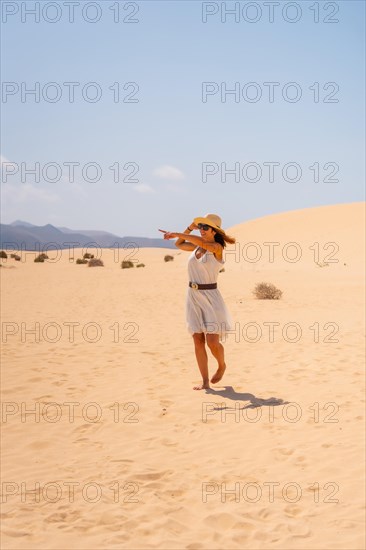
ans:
(22, 235)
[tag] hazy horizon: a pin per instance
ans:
(145, 236)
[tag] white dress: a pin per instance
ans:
(205, 309)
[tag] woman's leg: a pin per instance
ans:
(217, 351)
(202, 359)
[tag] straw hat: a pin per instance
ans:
(213, 220)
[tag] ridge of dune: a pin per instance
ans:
(333, 234)
(346, 209)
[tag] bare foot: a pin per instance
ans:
(204, 386)
(218, 374)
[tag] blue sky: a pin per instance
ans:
(165, 136)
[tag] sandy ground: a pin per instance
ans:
(106, 445)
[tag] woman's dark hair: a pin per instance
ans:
(223, 239)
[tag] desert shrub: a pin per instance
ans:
(89, 256)
(3, 254)
(126, 264)
(168, 258)
(222, 270)
(81, 261)
(140, 265)
(267, 291)
(16, 258)
(95, 262)
(41, 257)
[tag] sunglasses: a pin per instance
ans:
(204, 226)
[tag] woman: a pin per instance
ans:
(206, 313)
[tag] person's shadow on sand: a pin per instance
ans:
(230, 393)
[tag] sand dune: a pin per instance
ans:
(270, 458)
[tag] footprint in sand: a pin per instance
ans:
(84, 429)
(169, 494)
(36, 445)
(43, 398)
(299, 532)
(283, 452)
(168, 443)
(166, 402)
(7, 515)
(263, 513)
(220, 522)
(292, 511)
(16, 533)
(62, 517)
(153, 476)
(245, 526)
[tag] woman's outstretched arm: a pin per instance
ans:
(182, 240)
(200, 241)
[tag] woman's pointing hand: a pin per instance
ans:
(169, 235)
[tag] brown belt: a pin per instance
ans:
(197, 286)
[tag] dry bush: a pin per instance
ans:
(41, 257)
(168, 258)
(140, 265)
(81, 261)
(88, 256)
(126, 264)
(267, 291)
(95, 262)
(3, 254)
